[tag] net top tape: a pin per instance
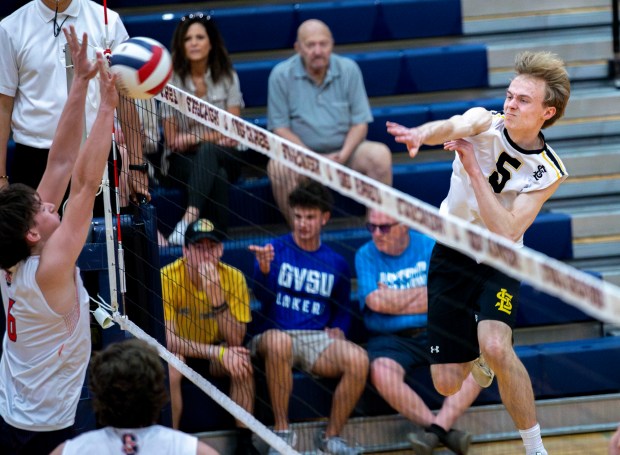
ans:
(593, 296)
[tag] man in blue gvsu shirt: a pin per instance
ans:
(304, 289)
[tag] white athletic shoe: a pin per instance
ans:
(289, 436)
(482, 373)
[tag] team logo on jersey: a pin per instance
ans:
(504, 301)
(434, 349)
(130, 444)
(539, 172)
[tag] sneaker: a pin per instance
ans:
(423, 442)
(334, 446)
(482, 373)
(288, 436)
(458, 441)
(177, 237)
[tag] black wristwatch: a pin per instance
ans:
(144, 167)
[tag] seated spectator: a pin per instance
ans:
(304, 288)
(206, 309)
(317, 99)
(199, 157)
(392, 271)
(128, 383)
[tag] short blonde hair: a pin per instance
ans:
(550, 68)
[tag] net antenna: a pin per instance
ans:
(120, 285)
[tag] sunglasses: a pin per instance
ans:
(383, 228)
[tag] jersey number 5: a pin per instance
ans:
(500, 177)
(11, 327)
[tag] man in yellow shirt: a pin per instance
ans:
(206, 308)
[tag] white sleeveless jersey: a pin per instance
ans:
(153, 440)
(45, 354)
(510, 170)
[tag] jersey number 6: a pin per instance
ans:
(11, 327)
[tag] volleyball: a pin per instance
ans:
(142, 66)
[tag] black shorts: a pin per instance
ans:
(409, 352)
(15, 441)
(461, 293)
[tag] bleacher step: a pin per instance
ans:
(487, 423)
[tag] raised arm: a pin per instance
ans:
(471, 123)
(66, 142)
(56, 271)
(130, 124)
(6, 111)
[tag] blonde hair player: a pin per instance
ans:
(503, 172)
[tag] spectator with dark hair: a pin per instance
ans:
(198, 156)
(128, 383)
(304, 289)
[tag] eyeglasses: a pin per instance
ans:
(189, 17)
(383, 228)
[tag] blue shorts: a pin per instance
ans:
(461, 293)
(410, 352)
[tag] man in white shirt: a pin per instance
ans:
(33, 84)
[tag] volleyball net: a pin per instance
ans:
(249, 216)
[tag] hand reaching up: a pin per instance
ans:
(83, 68)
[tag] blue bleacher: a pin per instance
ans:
(275, 26)
(391, 72)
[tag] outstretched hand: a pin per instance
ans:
(264, 256)
(107, 84)
(82, 67)
(411, 137)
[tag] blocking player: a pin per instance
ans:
(47, 341)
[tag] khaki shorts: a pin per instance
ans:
(308, 345)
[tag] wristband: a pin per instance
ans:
(220, 309)
(221, 354)
(144, 167)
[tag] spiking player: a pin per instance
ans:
(503, 172)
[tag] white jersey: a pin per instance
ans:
(510, 170)
(153, 440)
(45, 354)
